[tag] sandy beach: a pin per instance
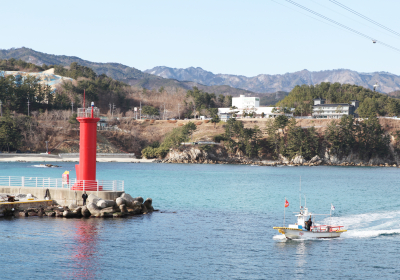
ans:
(56, 158)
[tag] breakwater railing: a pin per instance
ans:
(73, 184)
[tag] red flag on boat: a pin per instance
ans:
(286, 203)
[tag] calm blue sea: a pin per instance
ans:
(215, 222)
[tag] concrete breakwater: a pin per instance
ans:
(125, 205)
(61, 196)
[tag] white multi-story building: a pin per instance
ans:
(245, 102)
(333, 111)
(244, 106)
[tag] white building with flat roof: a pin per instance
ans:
(333, 111)
(245, 102)
(249, 107)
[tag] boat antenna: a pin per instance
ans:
(300, 193)
(284, 214)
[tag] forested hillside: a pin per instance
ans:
(371, 103)
(117, 71)
(114, 70)
(20, 65)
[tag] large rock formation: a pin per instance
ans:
(193, 154)
(85, 212)
(93, 209)
(93, 198)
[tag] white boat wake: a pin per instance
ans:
(367, 225)
(370, 224)
(40, 165)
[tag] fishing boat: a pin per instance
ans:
(300, 230)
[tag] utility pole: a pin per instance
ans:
(110, 107)
(179, 113)
(28, 106)
(72, 104)
(113, 108)
(1, 108)
(47, 146)
(164, 111)
(194, 111)
(140, 110)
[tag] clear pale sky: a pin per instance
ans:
(227, 36)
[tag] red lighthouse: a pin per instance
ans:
(86, 169)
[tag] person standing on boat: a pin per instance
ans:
(84, 197)
(309, 224)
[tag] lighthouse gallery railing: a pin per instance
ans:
(47, 182)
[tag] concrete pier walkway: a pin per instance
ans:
(61, 196)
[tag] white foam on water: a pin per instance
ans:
(279, 237)
(368, 225)
(39, 165)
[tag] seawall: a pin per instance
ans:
(63, 197)
(24, 205)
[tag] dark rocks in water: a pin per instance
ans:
(67, 214)
(51, 165)
(78, 212)
(72, 214)
(148, 204)
(107, 214)
(144, 209)
(41, 212)
(136, 208)
(50, 213)
(23, 213)
(85, 212)
(108, 209)
(139, 199)
(93, 209)
(123, 208)
(59, 213)
(118, 215)
(128, 200)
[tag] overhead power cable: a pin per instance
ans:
(328, 19)
(364, 17)
(308, 15)
(341, 25)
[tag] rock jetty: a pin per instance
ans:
(125, 205)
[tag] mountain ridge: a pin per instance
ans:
(281, 82)
(117, 71)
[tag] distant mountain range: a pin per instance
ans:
(270, 88)
(273, 83)
(117, 71)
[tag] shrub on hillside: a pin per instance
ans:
(172, 139)
(220, 137)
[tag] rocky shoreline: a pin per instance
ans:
(123, 206)
(220, 156)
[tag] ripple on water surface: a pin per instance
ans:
(221, 228)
